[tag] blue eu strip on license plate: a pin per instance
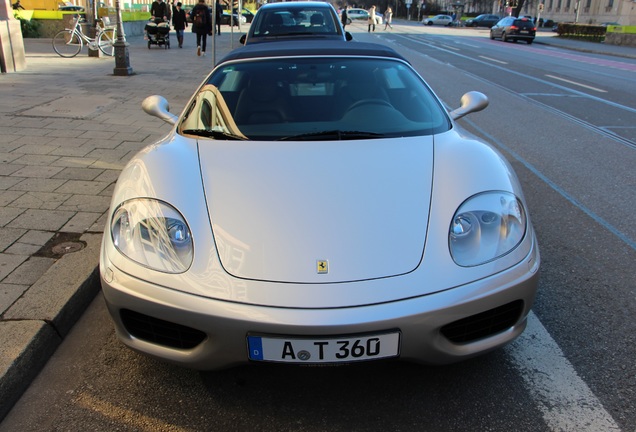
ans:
(324, 350)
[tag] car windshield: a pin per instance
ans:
(317, 98)
(294, 21)
(523, 23)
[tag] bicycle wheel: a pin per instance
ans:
(67, 43)
(106, 40)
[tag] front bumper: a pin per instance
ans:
(224, 326)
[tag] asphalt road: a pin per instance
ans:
(573, 370)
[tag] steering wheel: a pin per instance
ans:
(363, 102)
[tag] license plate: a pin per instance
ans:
(324, 350)
(524, 32)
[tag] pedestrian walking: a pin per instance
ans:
(218, 13)
(159, 11)
(179, 22)
(371, 20)
(388, 17)
(344, 16)
(201, 25)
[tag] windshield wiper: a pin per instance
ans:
(333, 134)
(213, 134)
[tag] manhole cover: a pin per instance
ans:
(67, 247)
(61, 244)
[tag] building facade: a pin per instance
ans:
(622, 12)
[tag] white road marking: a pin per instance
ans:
(566, 402)
(493, 60)
(577, 84)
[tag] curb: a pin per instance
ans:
(548, 42)
(50, 302)
(37, 324)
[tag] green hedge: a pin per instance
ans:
(594, 33)
(30, 28)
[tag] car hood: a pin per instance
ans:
(318, 212)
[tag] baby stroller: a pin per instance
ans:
(158, 33)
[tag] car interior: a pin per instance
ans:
(296, 97)
(278, 23)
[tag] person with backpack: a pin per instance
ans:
(179, 23)
(201, 25)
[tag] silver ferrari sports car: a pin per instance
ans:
(315, 203)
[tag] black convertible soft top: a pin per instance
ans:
(311, 48)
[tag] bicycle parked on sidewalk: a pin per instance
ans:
(69, 42)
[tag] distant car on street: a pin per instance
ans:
(514, 29)
(362, 14)
(225, 19)
(444, 20)
(483, 20)
(293, 20)
(247, 16)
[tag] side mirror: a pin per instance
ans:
(348, 36)
(158, 106)
(242, 39)
(471, 102)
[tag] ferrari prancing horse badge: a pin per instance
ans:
(322, 266)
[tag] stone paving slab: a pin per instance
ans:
(67, 128)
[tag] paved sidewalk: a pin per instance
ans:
(547, 37)
(67, 128)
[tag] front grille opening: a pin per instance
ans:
(484, 324)
(160, 332)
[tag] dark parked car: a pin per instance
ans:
(303, 19)
(248, 17)
(225, 19)
(514, 29)
(483, 20)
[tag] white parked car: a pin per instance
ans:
(444, 20)
(362, 14)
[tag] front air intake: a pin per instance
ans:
(484, 324)
(160, 332)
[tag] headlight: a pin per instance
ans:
(486, 227)
(154, 234)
